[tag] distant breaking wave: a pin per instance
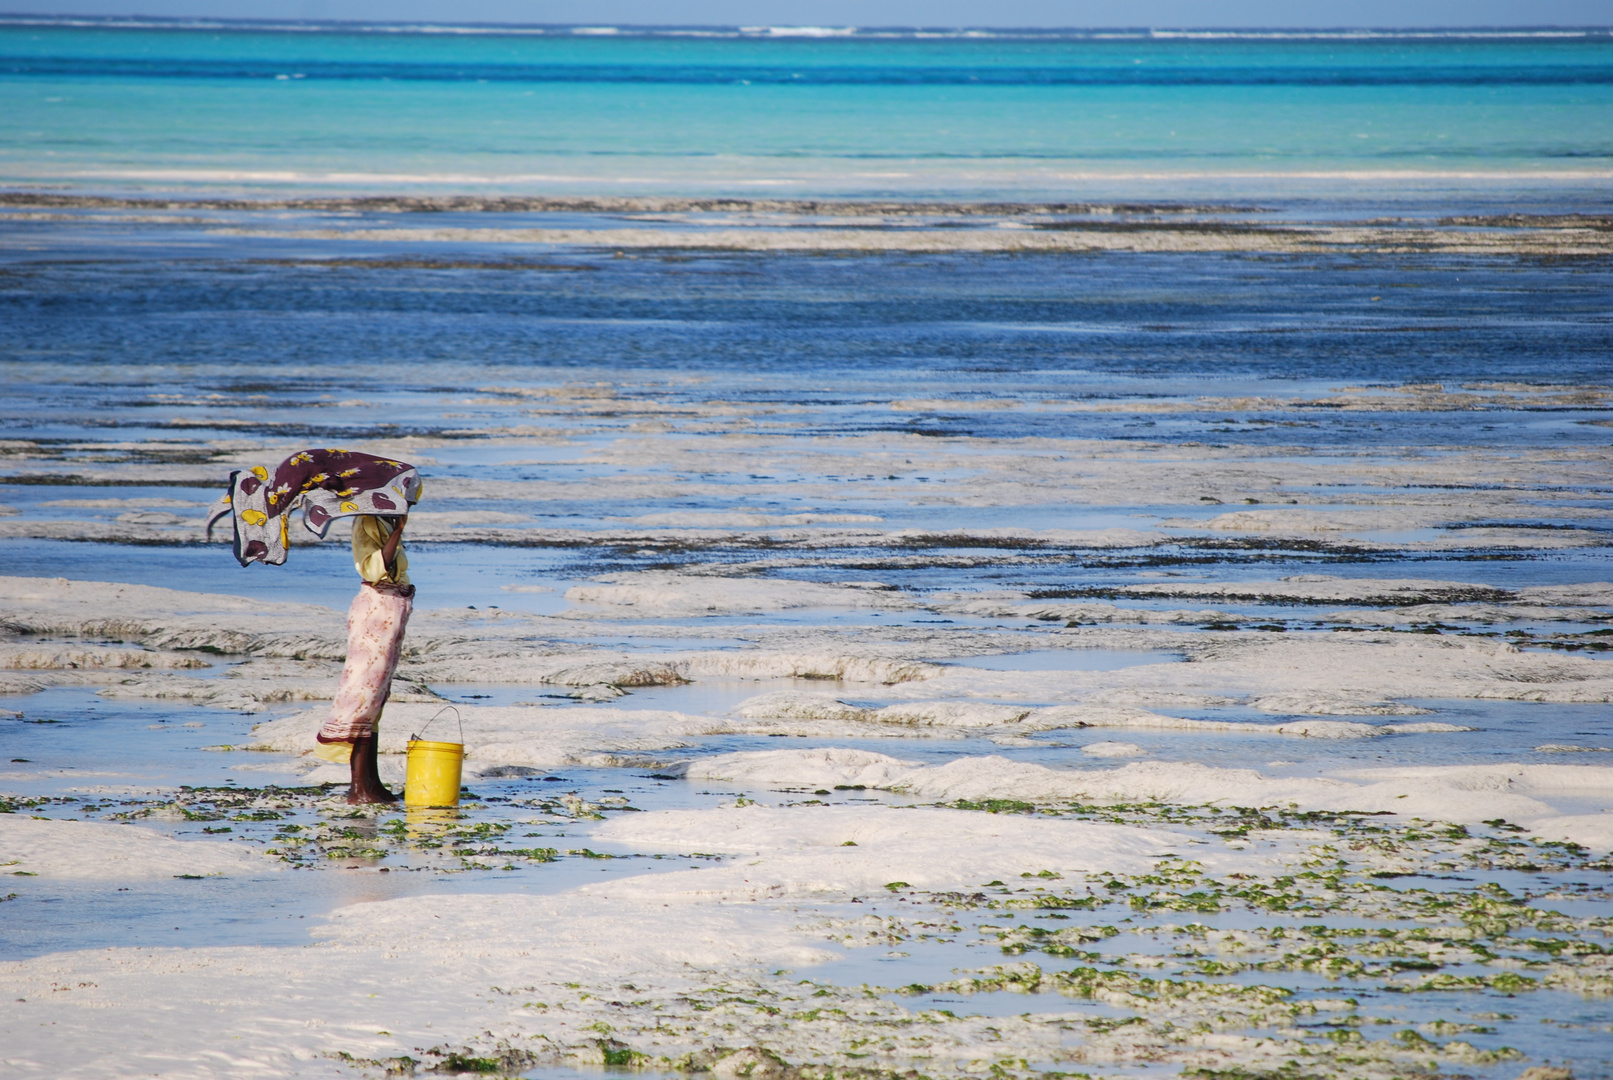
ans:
(807, 75)
(882, 33)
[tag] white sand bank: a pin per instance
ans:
(96, 850)
(167, 619)
(1542, 780)
(53, 656)
(799, 705)
(393, 977)
(1088, 612)
(1348, 671)
(802, 850)
(1006, 237)
(1593, 831)
(1456, 794)
(663, 594)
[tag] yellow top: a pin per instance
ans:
(369, 536)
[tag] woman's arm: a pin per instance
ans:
(389, 550)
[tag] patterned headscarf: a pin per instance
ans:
(327, 484)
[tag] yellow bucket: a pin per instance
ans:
(433, 774)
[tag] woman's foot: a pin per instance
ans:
(365, 787)
(370, 794)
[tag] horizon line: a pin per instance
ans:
(792, 30)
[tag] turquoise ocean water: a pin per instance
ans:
(104, 107)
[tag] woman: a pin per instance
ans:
(329, 484)
(375, 624)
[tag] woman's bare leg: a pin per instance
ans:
(366, 786)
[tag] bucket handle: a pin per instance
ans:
(433, 720)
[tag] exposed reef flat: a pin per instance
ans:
(1167, 936)
(1193, 930)
(507, 204)
(297, 647)
(1581, 239)
(852, 225)
(832, 492)
(1180, 652)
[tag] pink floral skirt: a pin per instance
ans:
(375, 625)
